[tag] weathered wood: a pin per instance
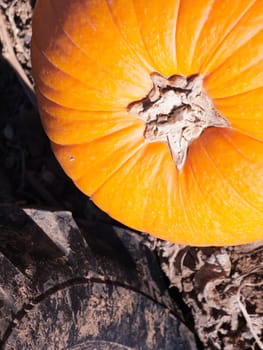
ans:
(95, 288)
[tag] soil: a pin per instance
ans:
(217, 291)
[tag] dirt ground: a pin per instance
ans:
(220, 288)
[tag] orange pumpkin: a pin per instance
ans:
(155, 110)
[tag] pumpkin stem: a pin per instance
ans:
(176, 111)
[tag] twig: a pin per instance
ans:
(245, 313)
(10, 57)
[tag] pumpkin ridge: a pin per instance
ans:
(38, 89)
(120, 111)
(205, 16)
(157, 169)
(74, 43)
(235, 94)
(45, 56)
(238, 44)
(95, 61)
(234, 234)
(137, 145)
(241, 71)
(207, 62)
(148, 66)
(230, 141)
(66, 73)
(236, 127)
(104, 137)
(176, 12)
(192, 232)
(200, 192)
(142, 37)
(56, 99)
(156, 25)
(129, 158)
(225, 180)
(47, 110)
(187, 60)
(239, 95)
(69, 126)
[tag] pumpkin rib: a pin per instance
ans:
(166, 52)
(182, 199)
(56, 110)
(105, 136)
(125, 202)
(161, 193)
(124, 164)
(220, 175)
(161, 196)
(154, 174)
(54, 95)
(59, 74)
(175, 30)
(231, 205)
(245, 119)
(241, 72)
(225, 35)
(189, 27)
(109, 209)
(227, 100)
(161, 189)
(223, 240)
(225, 179)
(230, 141)
(145, 62)
(146, 48)
(84, 52)
(60, 130)
(198, 31)
(242, 106)
(238, 37)
(255, 134)
(170, 185)
(63, 113)
(234, 94)
(111, 174)
(69, 75)
(109, 72)
(209, 209)
(68, 152)
(203, 215)
(49, 100)
(140, 149)
(44, 56)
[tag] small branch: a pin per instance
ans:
(9, 55)
(245, 313)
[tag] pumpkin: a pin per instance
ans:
(154, 110)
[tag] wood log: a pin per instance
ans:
(95, 288)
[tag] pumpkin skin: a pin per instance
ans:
(92, 58)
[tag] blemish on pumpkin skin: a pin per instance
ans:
(176, 111)
(71, 159)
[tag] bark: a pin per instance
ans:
(95, 288)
